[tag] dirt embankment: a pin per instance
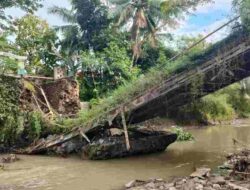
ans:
(60, 96)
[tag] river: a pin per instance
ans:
(53, 173)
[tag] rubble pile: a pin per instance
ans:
(213, 182)
(63, 95)
(239, 165)
(60, 96)
(237, 177)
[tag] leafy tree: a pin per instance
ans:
(27, 5)
(36, 40)
(149, 17)
(154, 56)
(243, 8)
(92, 17)
(7, 64)
(85, 21)
(108, 35)
(86, 29)
(106, 70)
(71, 34)
(186, 41)
(70, 42)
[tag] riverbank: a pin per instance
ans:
(164, 123)
(233, 175)
(209, 148)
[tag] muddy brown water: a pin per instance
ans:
(53, 173)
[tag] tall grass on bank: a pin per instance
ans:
(225, 105)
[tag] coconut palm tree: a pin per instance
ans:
(70, 42)
(84, 21)
(145, 18)
(71, 33)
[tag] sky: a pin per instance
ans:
(202, 21)
(207, 18)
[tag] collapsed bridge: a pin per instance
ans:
(223, 64)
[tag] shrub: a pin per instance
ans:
(9, 112)
(217, 108)
(182, 135)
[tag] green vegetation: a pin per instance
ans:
(9, 111)
(16, 126)
(127, 92)
(7, 64)
(224, 105)
(27, 5)
(105, 71)
(242, 7)
(182, 135)
(148, 17)
(112, 61)
(35, 39)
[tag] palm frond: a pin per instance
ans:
(141, 20)
(64, 28)
(155, 3)
(119, 2)
(121, 13)
(125, 14)
(65, 14)
(151, 23)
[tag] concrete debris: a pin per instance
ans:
(9, 159)
(237, 177)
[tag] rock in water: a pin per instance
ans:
(201, 173)
(10, 158)
(113, 147)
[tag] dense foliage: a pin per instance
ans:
(18, 127)
(242, 8)
(182, 135)
(105, 71)
(92, 27)
(115, 51)
(36, 40)
(149, 17)
(7, 64)
(92, 18)
(9, 111)
(125, 93)
(27, 5)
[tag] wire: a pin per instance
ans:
(201, 40)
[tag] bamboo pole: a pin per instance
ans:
(84, 136)
(28, 76)
(47, 102)
(34, 97)
(125, 129)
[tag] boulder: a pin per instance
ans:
(115, 146)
